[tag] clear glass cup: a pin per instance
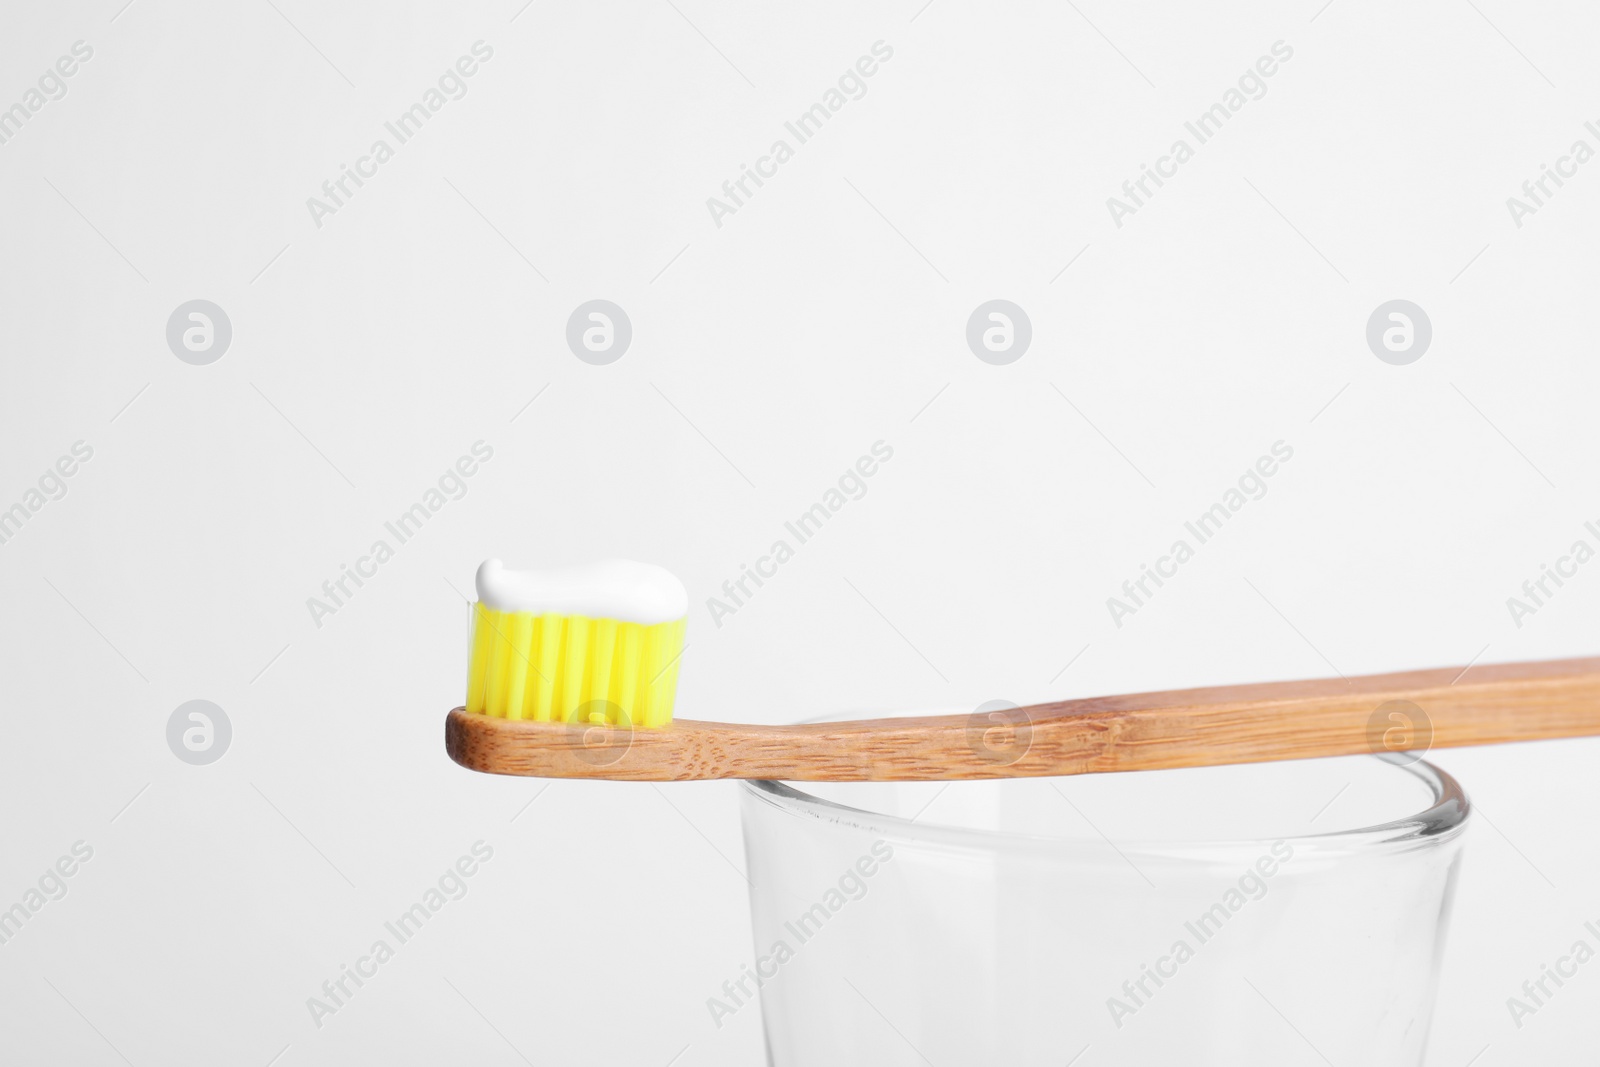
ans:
(1272, 914)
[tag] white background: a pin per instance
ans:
(768, 354)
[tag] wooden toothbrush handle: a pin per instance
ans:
(1413, 711)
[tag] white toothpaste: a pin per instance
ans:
(610, 589)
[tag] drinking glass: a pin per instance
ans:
(1271, 914)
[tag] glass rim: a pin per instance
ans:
(1441, 821)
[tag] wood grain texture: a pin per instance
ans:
(1143, 731)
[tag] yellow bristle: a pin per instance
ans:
(570, 668)
(545, 655)
(478, 666)
(494, 687)
(625, 676)
(597, 672)
(574, 652)
(519, 634)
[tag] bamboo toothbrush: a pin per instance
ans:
(572, 675)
